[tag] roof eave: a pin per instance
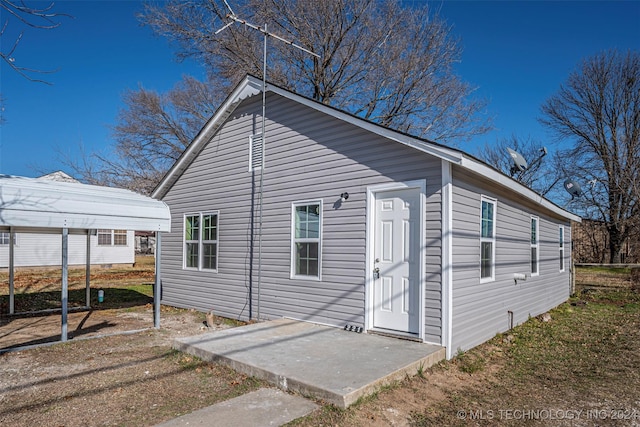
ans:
(250, 86)
(507, 182)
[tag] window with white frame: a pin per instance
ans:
(306, 241)
(201, 241)
(119, 237)
(5, 238)
(112, 237)
(256, 152)
(561, 246)
(535, 252)
(104, 237)
(487, 239)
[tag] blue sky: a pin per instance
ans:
(517, 54)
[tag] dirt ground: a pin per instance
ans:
(46, 327)
(118, 380)
(586, 358)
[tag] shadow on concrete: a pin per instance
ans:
(321, 361)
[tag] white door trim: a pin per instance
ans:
(370, 240)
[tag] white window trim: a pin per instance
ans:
(493, 201)
(251, 138)
(185, 241)
(113, 238)
(293, 241)
(535, 245)
(112, 241)
(102, 232)
(15, 239)
(561, 247)
(200, 241)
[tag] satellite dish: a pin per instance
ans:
(572, 188)
(519, 163)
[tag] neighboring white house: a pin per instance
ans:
(107, 247)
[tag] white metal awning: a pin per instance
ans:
(38, 203)
(33, 205)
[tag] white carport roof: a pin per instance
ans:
(39, 203)
(32, 205)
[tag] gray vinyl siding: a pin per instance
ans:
(38, 250)
(309, 156)
(480, 310)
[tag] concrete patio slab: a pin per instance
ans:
(327, 363)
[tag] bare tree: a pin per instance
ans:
(152, 132)
(385, 62)
(379, 59)
(598, 110)
(35, 17)
(542, 174)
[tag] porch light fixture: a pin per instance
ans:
(344, 196)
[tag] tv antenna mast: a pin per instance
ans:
(233, 19)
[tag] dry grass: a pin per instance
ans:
(603, 278)
(122, 380)
(119, 380)
(580, 368)
(39, 288)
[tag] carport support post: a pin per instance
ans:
(12, 303)
(156, 285)
(87, 273)
(65, 282)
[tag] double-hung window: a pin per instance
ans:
(104, 237)
(112, 237)
(561, 246)
(535, 246)
(201, 241)
(487, 239)
(119, 237)
(306, 242)
(5, 238)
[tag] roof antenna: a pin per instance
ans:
(234, 18)
(543, 152)
(519, 163)
(572, 188)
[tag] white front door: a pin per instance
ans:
(396, 253)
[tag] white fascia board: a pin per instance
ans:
(250, 86)
(29, 202)
(453, 156)
(516, 187)
(70, 220)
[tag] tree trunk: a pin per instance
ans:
(615, 244)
